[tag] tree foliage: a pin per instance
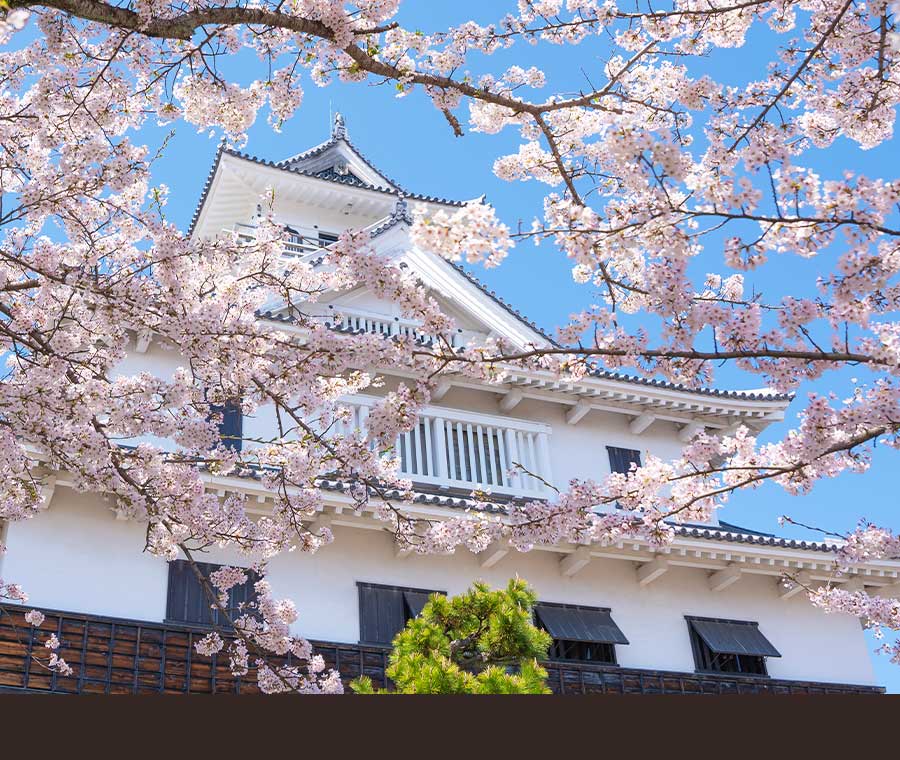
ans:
(480, 642)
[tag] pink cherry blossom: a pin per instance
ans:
(668, 187)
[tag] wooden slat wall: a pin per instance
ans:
(110, 656)
(116, 656)
(587, 679)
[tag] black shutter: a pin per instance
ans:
(573, 623)
(415, 602)
(242, 595)
(382, 613)
(384, 610)
(187, 600)
(368, 614)
(231, 429)
(198, 607)
(733, 637)
(176, 599)
(620, 459)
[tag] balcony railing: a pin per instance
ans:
(361, 320)
(452, 448)
(299, 243)
(120, 656)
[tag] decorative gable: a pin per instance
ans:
(475, 311)
(339, 159)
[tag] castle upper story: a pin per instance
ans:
(474, 432)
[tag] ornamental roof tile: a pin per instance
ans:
(348, 177)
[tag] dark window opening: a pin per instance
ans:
(620, 460)
(327, 238)
(582, 651)
(188, 600)
(580, 634)
(231, 428)
(729, 646)
(385, 610)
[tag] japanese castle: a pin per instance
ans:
(705, 614)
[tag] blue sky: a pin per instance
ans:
(413, 144)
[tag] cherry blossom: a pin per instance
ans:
(657, 163)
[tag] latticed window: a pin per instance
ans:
(729, 646)
(413, 451)
(474, 454)
(580, 634)
(477, 456)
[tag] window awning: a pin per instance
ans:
(724, 637)
(416, 601)
(578, 624)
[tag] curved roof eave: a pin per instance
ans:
(279, 165)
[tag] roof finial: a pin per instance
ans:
(338, 128)
(401, 210)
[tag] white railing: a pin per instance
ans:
(301, 244)
(380, 324)
(468, 450)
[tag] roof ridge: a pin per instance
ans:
(339, 135)
(309, 152)
(492, 294)
(207, 184)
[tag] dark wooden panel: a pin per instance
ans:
(116, 656)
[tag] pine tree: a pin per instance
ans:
(480, 642)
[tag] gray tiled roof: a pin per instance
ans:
(725, 532)
(738, 395)
(456, 499)
(619, 376)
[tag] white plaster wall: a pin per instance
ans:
(294, 212)
(78, 557)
